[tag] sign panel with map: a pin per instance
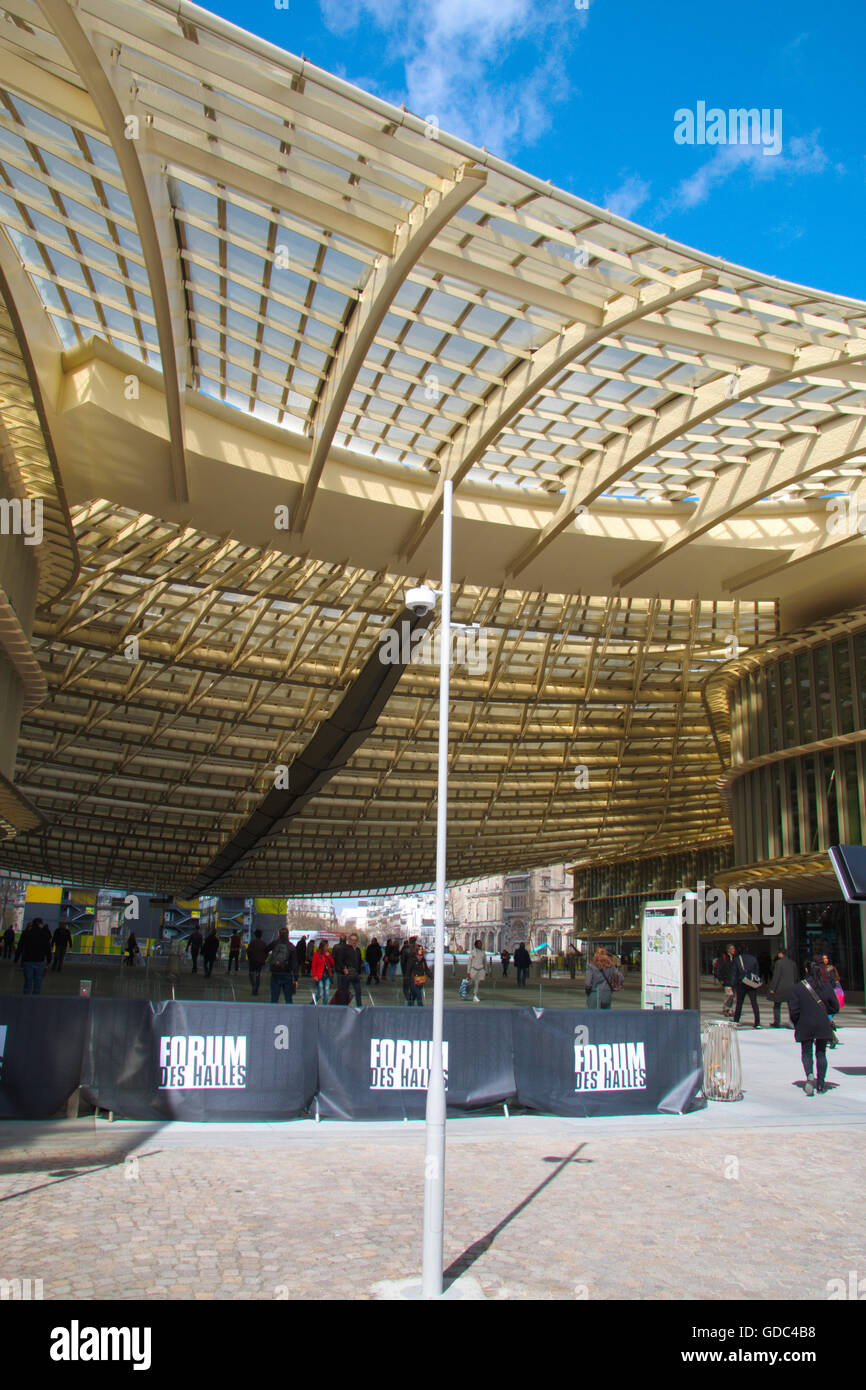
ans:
(662, 956)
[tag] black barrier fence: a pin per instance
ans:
(221, 1061)
(200, 1060)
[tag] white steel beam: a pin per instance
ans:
(484, 424)
(747, 484)
(148, 197)
(411, 240)
(821, 544)
(670, 422)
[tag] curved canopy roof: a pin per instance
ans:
(257, 298)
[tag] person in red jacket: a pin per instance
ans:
(322, 970)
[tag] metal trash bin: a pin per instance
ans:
(723, 1073)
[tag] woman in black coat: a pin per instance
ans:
(811, 1005)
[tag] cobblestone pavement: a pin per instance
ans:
(133, 1212)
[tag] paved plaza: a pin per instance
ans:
(710, 1205)
(110, 979)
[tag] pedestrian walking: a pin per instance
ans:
(476, 969)
(131, 949)
(8, 943)
(351, 968)
(257, 954)
(602, 978)
(284, 966)
(723, 971)
(392, 957)
(407, 955)
(829, 973)
(812, 1005)
(194, 945)
(234, 950)
(834, 979)
(209, 951)
(419, 976)
(322, 971)
(505, 957)
(338, 953)
(34, 952)
(300, 957)
(373, 956)
(522, 962)
(571, 962)
(747, 982)
(61, 942)
(782, 983)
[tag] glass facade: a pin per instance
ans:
(610, 897)
(804, 802)
(831, 929)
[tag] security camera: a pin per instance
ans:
(421, 600)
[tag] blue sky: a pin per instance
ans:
(586, 98)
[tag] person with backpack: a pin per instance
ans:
(746, 981)
(61, 941)
(522, 963)
(602, 978)
(812, 1005)
(257, 954)
(419, 976)
(234, 950)
(476, 969)
(782, 984)
(284, 965)
(210, 950)
(322, 971)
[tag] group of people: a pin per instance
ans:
(813, 1002)
(741, 976)
(341, 968)
(36, 950)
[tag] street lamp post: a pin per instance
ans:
(434, 1154)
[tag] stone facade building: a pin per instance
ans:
(532, 906)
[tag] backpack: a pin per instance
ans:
(280, 958)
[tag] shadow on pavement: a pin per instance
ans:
(480, 1247)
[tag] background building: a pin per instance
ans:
(532, 906)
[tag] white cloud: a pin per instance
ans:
(801, 155)
(628, 197)
(454, 55)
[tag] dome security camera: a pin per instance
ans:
(421, 600)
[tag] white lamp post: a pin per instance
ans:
(434, 1156)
